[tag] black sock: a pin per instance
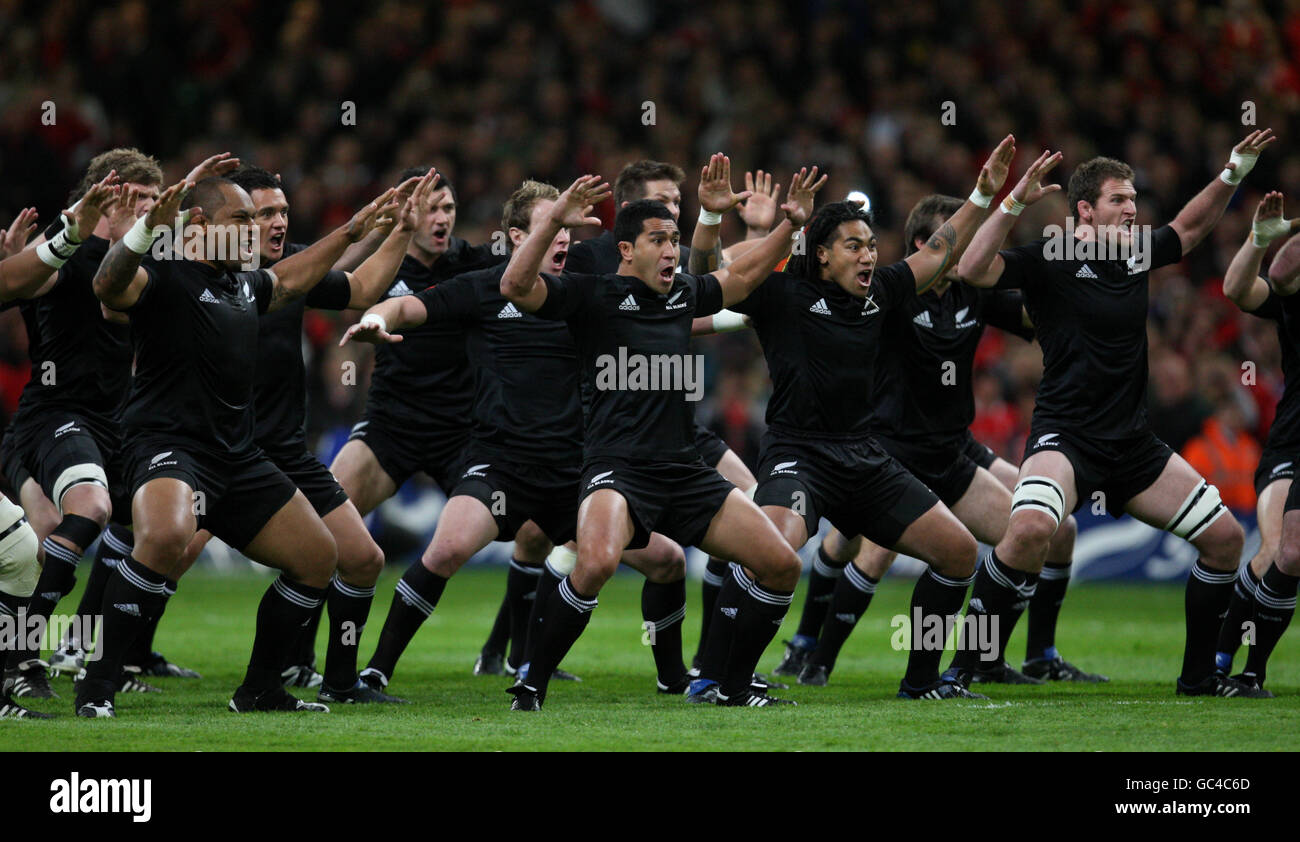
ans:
(1044, 610)
(521, 592)
(546, 585)
(1024, 599)
(499, 637)
(760, 615)
(1205, 603)
(722, 629)
(141, 650)
(10, 606)
(849, 602)
(303, 651)
(418, 592)
(349, 607)
(566, 614)
(58, 578)
(714, 572)
(935, 599)
(663, 608)
(1274, 608)
(285, 609)
(826, 572)
(115, 544)
(1241, 610)
(132, 596)
(993, 598)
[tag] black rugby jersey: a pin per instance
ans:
(526, 405)
(1284, 434)
(821, 345)
(194, 329)
(923, 372)
(1090, 316)
(280, 388)
(634, 349)
(425, 381)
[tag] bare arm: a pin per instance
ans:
(119, 280)
(1242, 283)
(571, 210)
(357, 253)
(373, 277)
(1199, 216)
(715, 198)
(980, 264)
(394, 315)
(32, 272)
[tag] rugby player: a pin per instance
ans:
(1090, 431)
(525, 452)
(1272, 299)
(188, 430)
(642, 472)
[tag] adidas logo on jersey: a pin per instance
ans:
(128, 608)
(923, 320)
(729, 612)
(820, 308)
(1085, 271)
(208, 298)
(399, 288)
(509, 312)
(629, 304)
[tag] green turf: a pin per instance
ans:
(1133, 633)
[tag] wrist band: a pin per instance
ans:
(728, 321)
(54, 253)
(979, 199)
(710, 218)
(1011, 207)
(140, 237)
(1244, 164)
(374, 320)
(1263, 233)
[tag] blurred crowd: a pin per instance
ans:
(895, 99)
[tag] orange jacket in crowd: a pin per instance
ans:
(1227, 461)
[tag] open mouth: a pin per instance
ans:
(558, 261)
(666, 273)
(440, 236)
(864, 278)
(276, 241)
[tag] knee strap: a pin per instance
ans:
(562, 560)
(77, 474)
(1201, 508)
(19, 569)
(80, 531)
(1042, 494)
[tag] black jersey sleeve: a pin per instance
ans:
(1166, 246)
(582, 258)
(154, 277)
(567, 294)
(1270, 309)
(892, 285)
(260, 286)
(451, 301)
(332, 293)
(1020, 265)
(707, 293)
(1002, 309)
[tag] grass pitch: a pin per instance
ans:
(1133, 633)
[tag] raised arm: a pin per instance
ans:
(571, 210)
(946, 245)
(1242, 283)
(980, 264)
(296, 275)
(360, 251)
(119, 280)
(1202, 213)
(32, 271)
(373, 277)
(15, 237)
(743, 276)
(716, 199)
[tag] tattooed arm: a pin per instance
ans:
(119, 280)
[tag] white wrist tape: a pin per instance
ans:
(1244, 164)
(140, 238)
(728, 321)
(979, 199)
(374, 320)
(1011, 207)
(710, 218)
(1263, 233)
(55, 252)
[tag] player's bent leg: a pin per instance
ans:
(464, 527)
(362, 478)
(1275, 598)
(510, 627)
(1241, 608)
(19, 572)
(663, 607)
(42, 514)
(834, 554)
(1005, 473)
(848, 602)
(734, 470)
(985, 507)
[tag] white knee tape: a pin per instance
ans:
(19, 569)
(562, 560)
(76, 475)
(1201, 508)
(1042, 494)
(749, 492)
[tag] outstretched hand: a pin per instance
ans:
(371, 332)
(758, 212)
(15, 237)
(715, 186)
(574, 206)
(169, 203)
(1029, 189)
(81, 221)
(798, 204)
(1269, 223)
(218, 165)
(994, 172)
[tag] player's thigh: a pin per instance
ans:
(735, 471)
(296, 542)
(841, 548)
(1037, 510)
(985, 507)
(605, 529)
(465, 526)
(360, 559)
(791, 526)
(531, 544)
(1005, 472)
(1167, 504)
(940, 540)
(42, 514)
(359, 472)
(1268, 511)
(662, 560)
(162, 514)
(745, 534)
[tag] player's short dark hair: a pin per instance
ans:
(631, 219)
(420, 172)
(253, 178)
(820, 231)
(926, 218)
(131, 165)
(518, 210)
(208, 195)
(631, 182)
(1086, 181)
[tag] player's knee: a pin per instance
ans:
(89, 501)
(1069, 530)
(960, 553)
(19, 568)
(592, 572)
(1222, 543)
(362, 565)
(669, 566)
(1029, 535)
(445, 558)
(165, 539)
(1288, 558)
